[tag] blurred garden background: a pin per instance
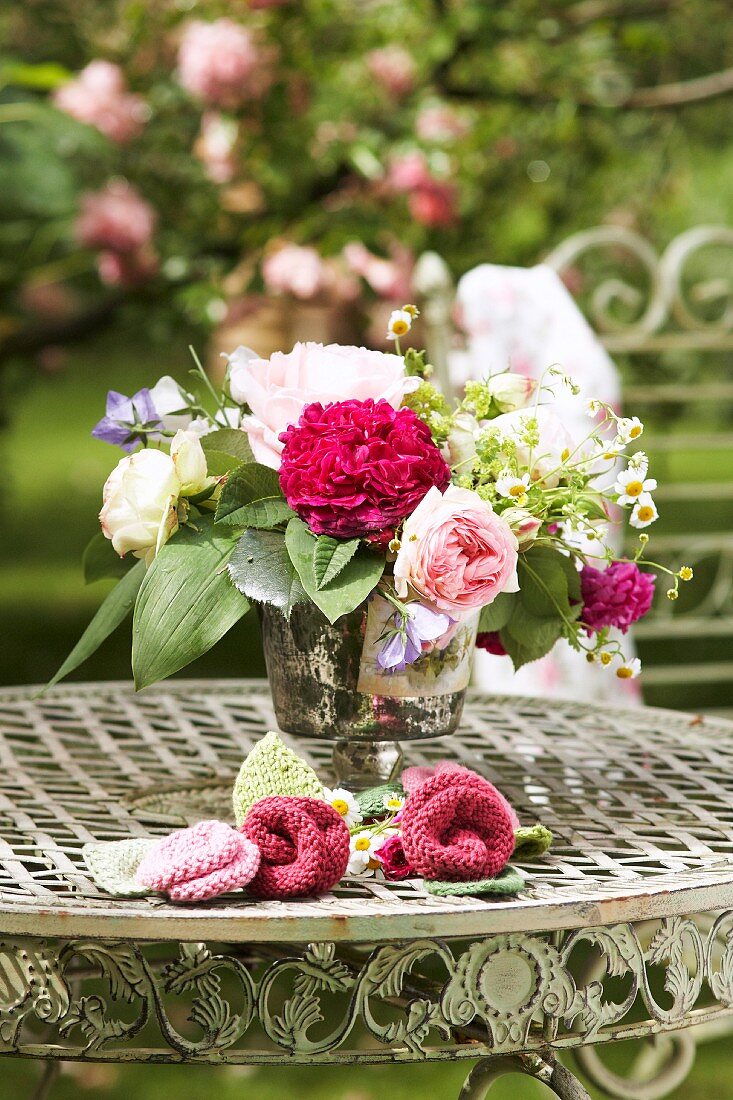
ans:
(178, 172)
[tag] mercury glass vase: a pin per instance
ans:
(326, 682)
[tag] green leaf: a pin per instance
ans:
(100, 560)
(497, 614)
(262, 570)
(329, 558)
(263, 514)
(115, 608)
(248, 483)
(218, 463)
(526, 637)
(544, 582)
(186, 602)
(349, 589)
(228, 441)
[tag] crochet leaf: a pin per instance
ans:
(531, 841)
(272, 769)
(329, 558)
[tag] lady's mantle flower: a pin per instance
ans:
(418, 626)
(344, 804)
(512, 486)
(644, 513)
(628, 429)
(392, 859)
(629, 670)
(362, 854)
(632, 484)
(399, 324)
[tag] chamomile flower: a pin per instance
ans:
(361, 854)
(343, 803)
(629, 670)
(512, 486)
(393, 803)
(628, 428)
(631, 485)
(592, 407)
(644, 513)
(639, 461)
(399, 324)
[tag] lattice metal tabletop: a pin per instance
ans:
(615, 936)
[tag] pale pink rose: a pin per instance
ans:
(215, 146)
(295, 270)
(555, 442)
(390, 278)
(99, 97)
(116, 218)
(278, 389)
(408, 172)
(393, 68)
(440, 123)
(456, 552)
(222, 64)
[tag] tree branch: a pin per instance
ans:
(684, 91)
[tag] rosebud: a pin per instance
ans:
(461, 443)
(139, 512)
(189, 461)
(524, 525)
(510, 391)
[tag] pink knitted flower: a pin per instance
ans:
(222, 64)
(203, 861)
(414, 777)
(394, 862)
(99, 97)
(616, 596)
(116, 218)
(457, 828)
(304, 845)
(358, 466)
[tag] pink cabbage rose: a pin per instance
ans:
(222, 64)
(99, 97)
(279, 388)
(456, 552)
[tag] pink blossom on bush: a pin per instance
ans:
(409, 172)
(394, 68)
(116, 218)
(439, 123)
(215, 146)
(222, 64)
(358, 466)
(616, 596)
(99, 97)
(293, 269)
(388, 278)
(127, 269)
(256, 5)
(434, 205)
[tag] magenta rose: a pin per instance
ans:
(616, 596)
(354, 467)
(456, 552)
(391, 855)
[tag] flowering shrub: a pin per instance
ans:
(384, 497)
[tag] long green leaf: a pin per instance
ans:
(186, 603)
(349, 589)
(100, 560)
(262, 570)
(115, 608)
(329, 558)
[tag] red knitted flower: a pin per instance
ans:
(456, 827)
(304, 846)
(616, 596)
(358, 466)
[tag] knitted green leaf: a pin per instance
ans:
(531, 841)
(271, 769)
(509, 881)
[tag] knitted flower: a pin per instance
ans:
(457, 828)
(304, 846)
(358, 466)
(616, 596)
(201, 862)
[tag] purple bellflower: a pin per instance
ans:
(404, 643)
(128, 420)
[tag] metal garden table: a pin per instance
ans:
(626, 930)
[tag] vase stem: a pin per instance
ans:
(362, 764)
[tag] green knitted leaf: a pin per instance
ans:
(371, 801)
(270, 769)
(532, 841)
(508, 882)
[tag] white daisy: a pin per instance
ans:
(629, 670)
(629, 428)
(343, 803)
(361, 854)
(639, 462)
(631, 484)
(399, 324)
(393, 803)
(644, 513)
(512, 486)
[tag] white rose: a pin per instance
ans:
(171, 403)
(510, 391)
(140, 501)
(189, 461)
(554, 447)
(278, 389)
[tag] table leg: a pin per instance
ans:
(51, 1071)
(543, 1068)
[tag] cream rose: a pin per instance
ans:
(139, 512)
(189, 461)
(456, 552)
(277, 389)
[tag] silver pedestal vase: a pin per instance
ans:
(326, 682)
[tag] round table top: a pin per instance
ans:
(640, 802)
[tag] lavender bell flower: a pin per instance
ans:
(418, 625)
(127, 420)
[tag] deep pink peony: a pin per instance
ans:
(616, 596)
(490, 641)
(358, 466)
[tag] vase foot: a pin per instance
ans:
(362, 764)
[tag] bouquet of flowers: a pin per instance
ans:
(341, 477)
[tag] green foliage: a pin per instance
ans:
(100, 560)
(229, 442)
(329, 558)
(249, 484)
(186, 602)
(358, 577)
(262, 570)
(497, 614)
(544, 609)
